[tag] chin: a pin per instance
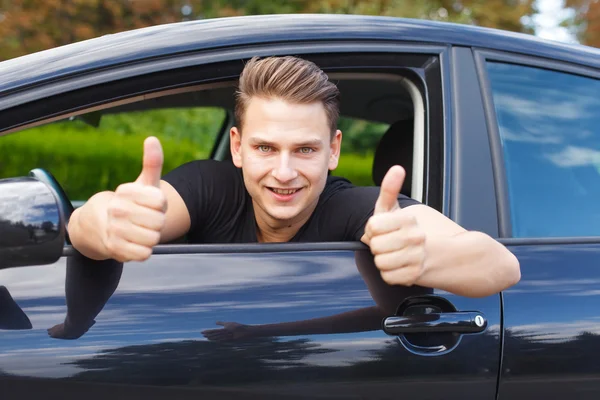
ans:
(283, 215)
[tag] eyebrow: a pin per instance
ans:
(313, 142)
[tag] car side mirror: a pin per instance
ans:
(32, 223)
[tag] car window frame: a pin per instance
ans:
(482, 57)
(73, 96)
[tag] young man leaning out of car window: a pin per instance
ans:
(278, 190)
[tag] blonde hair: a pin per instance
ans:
(288, 78)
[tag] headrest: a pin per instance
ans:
(395, 148)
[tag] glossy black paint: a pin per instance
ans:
(12, 316)
(453, 322)
(104, 86)
(63, 201)
(151, 339)
(472, 201)
(153, 333)
(186, 37)
(552, 323)
(32, 228)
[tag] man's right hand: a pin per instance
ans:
(136, 212)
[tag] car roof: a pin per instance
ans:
(183, 37)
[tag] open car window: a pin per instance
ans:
(383, 117)
(99, 150)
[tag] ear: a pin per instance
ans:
(335, 148)
(235, 144)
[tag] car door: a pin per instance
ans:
(304, 320)
(543, 119)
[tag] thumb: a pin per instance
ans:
(152, 163)
(390, 188)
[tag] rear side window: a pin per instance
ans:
(549, 124)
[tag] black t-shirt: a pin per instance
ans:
(221, 209)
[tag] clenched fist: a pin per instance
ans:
(136, 213)
(394, 236)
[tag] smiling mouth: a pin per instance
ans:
(284, 191)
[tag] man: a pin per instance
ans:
(278, 190)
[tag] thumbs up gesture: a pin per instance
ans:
(136, 213)
(394, 236)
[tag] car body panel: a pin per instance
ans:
(163, 40)
(472, 201)
(130, 82)
(150, 332)
(552, 323)
(147, 341)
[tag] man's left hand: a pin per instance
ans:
(394, 236)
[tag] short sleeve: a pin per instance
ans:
(405, 201)
(367, 197)
(348, 209)
(211, 192)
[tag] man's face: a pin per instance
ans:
(285, 151)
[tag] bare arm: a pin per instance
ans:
(87, 227)
(387, 298)
(124, 225)
(467, 263)
(418, 245)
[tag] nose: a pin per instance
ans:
(284, 171)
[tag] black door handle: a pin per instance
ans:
(455, 322)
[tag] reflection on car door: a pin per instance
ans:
(547, 120)
(177, 325)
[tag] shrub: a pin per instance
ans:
(86, 161)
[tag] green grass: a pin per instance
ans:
(356, 168)
(86, 160)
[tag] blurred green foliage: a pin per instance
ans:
(85, 161)
(27, 26)
(198, 125)
(88, 159)
(359, 136)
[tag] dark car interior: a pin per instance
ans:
(380, 98)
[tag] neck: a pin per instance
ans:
(270, 230)
(270, 235)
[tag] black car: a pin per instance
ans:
(498, 131)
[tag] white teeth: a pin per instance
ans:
(284, 191)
